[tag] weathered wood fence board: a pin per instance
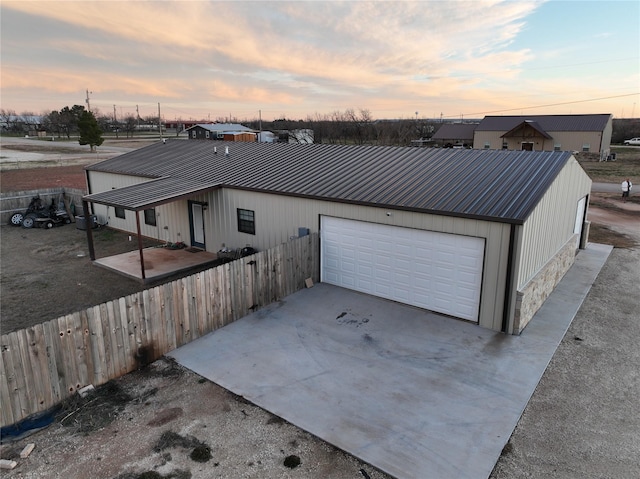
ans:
(13, 201)
(46, 363)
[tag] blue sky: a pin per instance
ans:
(209, 60)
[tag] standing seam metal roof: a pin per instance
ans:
(497, 185)
(548, 123)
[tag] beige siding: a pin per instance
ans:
(278, 218)
(172, 219)
(549, 227)
(568, 140)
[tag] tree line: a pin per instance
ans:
(352, 127)
(340, 127)
(66, 122)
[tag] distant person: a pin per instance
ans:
(626, 189)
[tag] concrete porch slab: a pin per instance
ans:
(411, 392)
(159, 262)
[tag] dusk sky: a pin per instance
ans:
(209, 60)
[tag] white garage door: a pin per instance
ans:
(437, 271)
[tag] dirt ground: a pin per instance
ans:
(167, 422)
(47, 273)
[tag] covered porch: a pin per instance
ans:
(151, 264)
(159, 262)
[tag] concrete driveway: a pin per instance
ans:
(413, 393)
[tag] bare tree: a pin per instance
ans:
(129, 124)
(8, 120)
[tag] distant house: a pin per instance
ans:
(582, 133)
(455, 134)
(480, 235)
(221, 131)
(30, 124)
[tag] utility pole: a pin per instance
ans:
(115, 121)
(138, 116)
(159, 121)
(87, 100)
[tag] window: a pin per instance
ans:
(586, 147)
(150, 217)
(120, 212)
(246, 221)
(487, 145)
(505, 145)
(557, 147)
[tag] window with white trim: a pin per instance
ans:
(586, 147)
(557, 147)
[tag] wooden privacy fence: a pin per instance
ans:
(46, 363)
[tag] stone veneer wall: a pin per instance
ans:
(537, 290)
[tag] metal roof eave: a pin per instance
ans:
(413, 209)
(148, 194)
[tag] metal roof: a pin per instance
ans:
(497, 185)
(547, 122)
(222, 127)
(455, 131)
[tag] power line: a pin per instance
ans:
(544, 106)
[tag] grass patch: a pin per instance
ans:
(627, 165)
(105, 235)
(604, 235)
(49, 147)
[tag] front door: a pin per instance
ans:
(526, 146)
(196, 224)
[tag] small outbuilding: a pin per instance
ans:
(455, 135)
(221, 131)
(479, 235)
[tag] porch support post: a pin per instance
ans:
(89, 224)
(140, 245)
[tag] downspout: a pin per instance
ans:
(140, 245)
(509, 280)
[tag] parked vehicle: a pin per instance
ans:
(633, 142)
(39, 215)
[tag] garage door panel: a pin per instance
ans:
(437, 271)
